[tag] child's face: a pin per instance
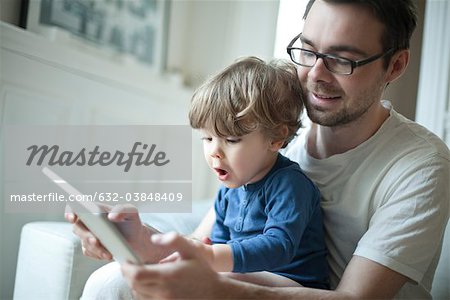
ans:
(239, 160)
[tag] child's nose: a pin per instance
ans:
(216, 151)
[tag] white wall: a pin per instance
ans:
(205, 36)
(403, 92)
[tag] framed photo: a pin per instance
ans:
(137, 28)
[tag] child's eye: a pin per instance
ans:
(233, 140)
(206, 139)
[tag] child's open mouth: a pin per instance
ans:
(223, 174)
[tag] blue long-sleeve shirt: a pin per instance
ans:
(275, 225)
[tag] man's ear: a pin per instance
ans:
(398, 65)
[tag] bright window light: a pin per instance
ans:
(289, 24)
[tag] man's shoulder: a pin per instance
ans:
(410, 137)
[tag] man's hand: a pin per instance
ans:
(127, 219)
(90, 245)
(189, 277)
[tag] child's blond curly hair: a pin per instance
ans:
(250, 95)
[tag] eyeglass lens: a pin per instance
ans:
(334, 64)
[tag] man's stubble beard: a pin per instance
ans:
(344, 115)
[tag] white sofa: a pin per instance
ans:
(51, 265)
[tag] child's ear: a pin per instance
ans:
(276, 145)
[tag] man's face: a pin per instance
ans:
(348, 31)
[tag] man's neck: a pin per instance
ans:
(326, 141)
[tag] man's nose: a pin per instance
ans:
(320, 72)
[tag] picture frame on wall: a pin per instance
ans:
(132, 28)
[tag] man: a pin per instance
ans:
(383, 179)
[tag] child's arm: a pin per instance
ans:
(205, 227)
(219, 257)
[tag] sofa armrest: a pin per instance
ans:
(51, 264)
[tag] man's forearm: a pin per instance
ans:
(227, 288)
(362, 279)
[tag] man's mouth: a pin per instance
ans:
(323, 101)
(325, 97)
(320, 93)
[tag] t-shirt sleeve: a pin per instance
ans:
(291, 202)
(406, 230)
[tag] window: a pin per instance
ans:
(289, 24)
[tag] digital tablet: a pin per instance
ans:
(97, 221)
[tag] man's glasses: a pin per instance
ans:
(334, 64)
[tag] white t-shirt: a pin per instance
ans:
(386, 200)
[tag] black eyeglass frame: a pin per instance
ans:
(354, 64)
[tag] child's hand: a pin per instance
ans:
(171, 258)
(203, 247)
(176, 256)
(206, 240)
